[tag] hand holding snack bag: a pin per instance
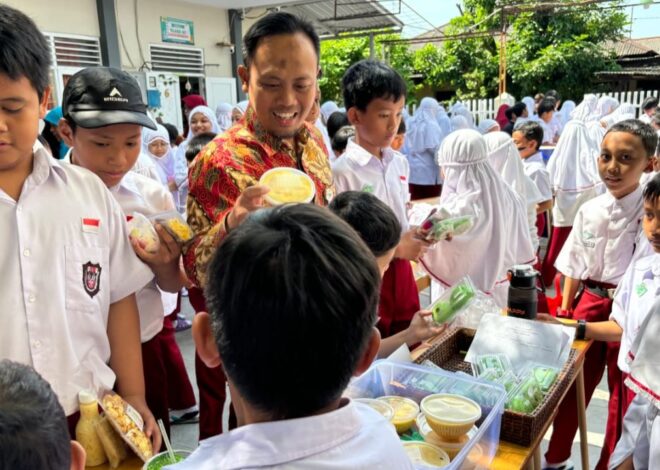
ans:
(143, 233)
(168, 251)
(411, 246)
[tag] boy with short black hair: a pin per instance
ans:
(546, 113)
(314, 282)
(380, 230)
(400, 137)
(78, 327)
(648, 107)
(596, 254)
(374, 96)
(336, 121)
(105, 137)
(33, 429)
(340, 140)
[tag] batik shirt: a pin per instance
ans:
(234, 161)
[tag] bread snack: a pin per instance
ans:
(128, 423)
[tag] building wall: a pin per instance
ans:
(61, 16)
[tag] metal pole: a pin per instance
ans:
(109, 40)
(236, 38)
(502, 74)
(372, 46)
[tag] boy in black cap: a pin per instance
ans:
(103, 119)
(69, 272)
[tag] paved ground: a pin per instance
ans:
(185, 436)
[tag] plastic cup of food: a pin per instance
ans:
(162, 460)
(405, 412)
(475, 459)
(452, 447)
(425, 455)
(450, 416)
(287, 185)
(379, 405)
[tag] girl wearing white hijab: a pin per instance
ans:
(423, 138)
(458, 122)
(567, 108)
(504, 157)
(443, 120)
(202, 119)
(586, 109)
(156, 145)
(606, 105)
(327, 109)
(463, 111)
(487, 126)
(499, 238)
(223, 116)
(531, 106)
(238, 111)
(575, 180)
(623, 112)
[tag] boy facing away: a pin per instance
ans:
(595, 256)
(374, 95)
(78, 326)
(312, 287)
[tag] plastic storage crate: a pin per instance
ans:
(416, 382)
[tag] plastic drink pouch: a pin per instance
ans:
(175, 225)
(141, 230)
(453, 301)
(128, 423)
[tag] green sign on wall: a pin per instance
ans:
(175, 30)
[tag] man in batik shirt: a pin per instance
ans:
(280, 75)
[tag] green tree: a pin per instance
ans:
(560, 48)
(337, 55)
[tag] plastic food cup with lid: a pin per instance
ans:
(379, 405)
(287, 185)
(405, 412)
(452, 447)
(425, 454)
(450, 416)
(162, 460)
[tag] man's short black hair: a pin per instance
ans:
(336, 121)
(645, 132)
(532, 130)
(547, 105)
(24, 51)
(275, 24)
(293, 293)
(340, 139)
(197, 143)
(650, 102)
(553, 94)
(368, 80)
(402, 127)
(33, 428)
(371, 218)
(515, 110)
(651, 192)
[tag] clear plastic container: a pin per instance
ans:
(453, 301)
(287, 185)
(141, 230)
(392, 378)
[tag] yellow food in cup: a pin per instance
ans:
(287, 185)
(452, 447)
(405, 412)
(450, 416)
(379, 405)
(423, 453)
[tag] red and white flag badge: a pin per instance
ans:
(91, 225)
(403, 178)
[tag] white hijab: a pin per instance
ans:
(206, 111)
(567, 108)
(459, 122)
(165, 164)
(499, 238)
(423, 131)
(606, 105)
(241, 106)
(443, 120)
(573, 172)
(223, 116)
(488, 126)
(327, 109)
(623, 112)
(531, 104)
(586, 109)
(463, 111)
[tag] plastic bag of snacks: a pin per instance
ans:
(175, 225)
(544, 375)
(141, 230)
(453, 301)
(498, 363)
(128, 423)
(526, 397)
(438, 228)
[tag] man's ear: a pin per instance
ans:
(370, 352)
(43, 103)
(205, 344)
(244, 76)
(650, 165)
(78, 456)
(353, 115)
(66, 132)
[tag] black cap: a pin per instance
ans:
(102, 96)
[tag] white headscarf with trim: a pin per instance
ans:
(488, 126)
(423, 131)
(165, 164)
(530, 104)
(223, 116)
(499, 238)
(443, 120)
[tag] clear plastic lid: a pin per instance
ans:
(405, 409)
(432, 438)
(287, 185)
(426, 454)
(380, 406)
(452, 409)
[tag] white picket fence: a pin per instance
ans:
(485, 108)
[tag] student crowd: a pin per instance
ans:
(294, 300)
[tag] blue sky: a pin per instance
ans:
(645, 21)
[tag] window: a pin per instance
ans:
(74, 51)
(177, 59)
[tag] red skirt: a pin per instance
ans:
(424, 191)
(557, 241)
(399, 299)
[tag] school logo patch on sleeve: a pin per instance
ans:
(91, 278)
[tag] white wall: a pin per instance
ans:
(61, 16)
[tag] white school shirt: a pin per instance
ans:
(386, 178)
(638, 290)
(144, 166)
(645, 118)
(351, 437)
(602, 241)
(535, 169)
(65, 259)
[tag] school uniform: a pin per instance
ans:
(535, 169)
(351, 437)
(387, 179)
(598, 251)
(66, 224)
